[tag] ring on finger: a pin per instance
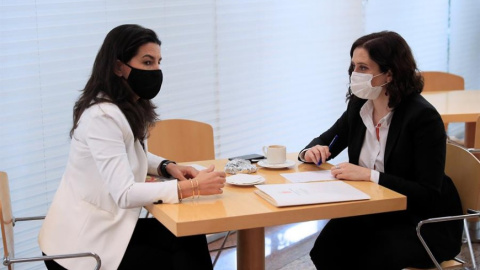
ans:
(337, 167)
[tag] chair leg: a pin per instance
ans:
(221, 248)
(439, 267)
(470, 248)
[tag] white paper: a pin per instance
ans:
(309, 193)
(302, 177)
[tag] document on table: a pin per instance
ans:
(309, 193)
(302, 177)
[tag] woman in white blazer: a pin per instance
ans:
(97, 205)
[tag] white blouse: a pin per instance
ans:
(373, 148)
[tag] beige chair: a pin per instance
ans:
(476, 144)
(8, 222)
(477, 134)
(464, 169)
(455, 263)
(183, 140)
(442, 81)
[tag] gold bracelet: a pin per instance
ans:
(198, 189)
(193, 189)
(179, 191)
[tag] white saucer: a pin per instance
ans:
(264, 163)
(245, 179)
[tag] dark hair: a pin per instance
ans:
(121, 43)
(392, 53)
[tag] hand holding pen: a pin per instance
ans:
(318, 153)
(329, 146)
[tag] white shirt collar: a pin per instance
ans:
(366, 113)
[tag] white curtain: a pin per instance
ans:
(423, 24)
(443, 35)
(282, 71)
(464, 41)
(260, 72)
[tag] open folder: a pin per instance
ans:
(309, 193)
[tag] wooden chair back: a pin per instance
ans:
(476, 140)
(182, 140)
(445, 265)
(6, 216)
(464, 169)
(442, 81)
(476, 143)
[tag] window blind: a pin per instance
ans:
(260, 72)
(442, 35)
(282, 70)
(46, 51)
(423, 24)
(464, 40)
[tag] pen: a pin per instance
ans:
(329, 146)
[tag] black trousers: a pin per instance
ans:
(369, 242)
(153, 246)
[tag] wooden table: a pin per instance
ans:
(238, 208)
(458, 106)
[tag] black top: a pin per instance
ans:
(414, 159)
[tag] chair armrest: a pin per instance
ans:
(7, 261)
(14, 219)
(470, 214)
(471, 211)
(473, 150)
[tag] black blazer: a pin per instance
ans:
(414, 157)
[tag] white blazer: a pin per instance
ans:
(102, 191)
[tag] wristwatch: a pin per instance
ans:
(162, 168)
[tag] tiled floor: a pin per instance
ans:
(287, 247)
(283, 245)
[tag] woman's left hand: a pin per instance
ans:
(348, 171)
(181, 172)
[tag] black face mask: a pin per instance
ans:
(145, 83)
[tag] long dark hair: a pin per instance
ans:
(391, 52)
(121, 43)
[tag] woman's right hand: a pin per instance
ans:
(207, 182)
(316, 153)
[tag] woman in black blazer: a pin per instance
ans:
(396, 139)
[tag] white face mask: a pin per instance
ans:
(361, 85)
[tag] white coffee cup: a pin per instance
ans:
(276, 154)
